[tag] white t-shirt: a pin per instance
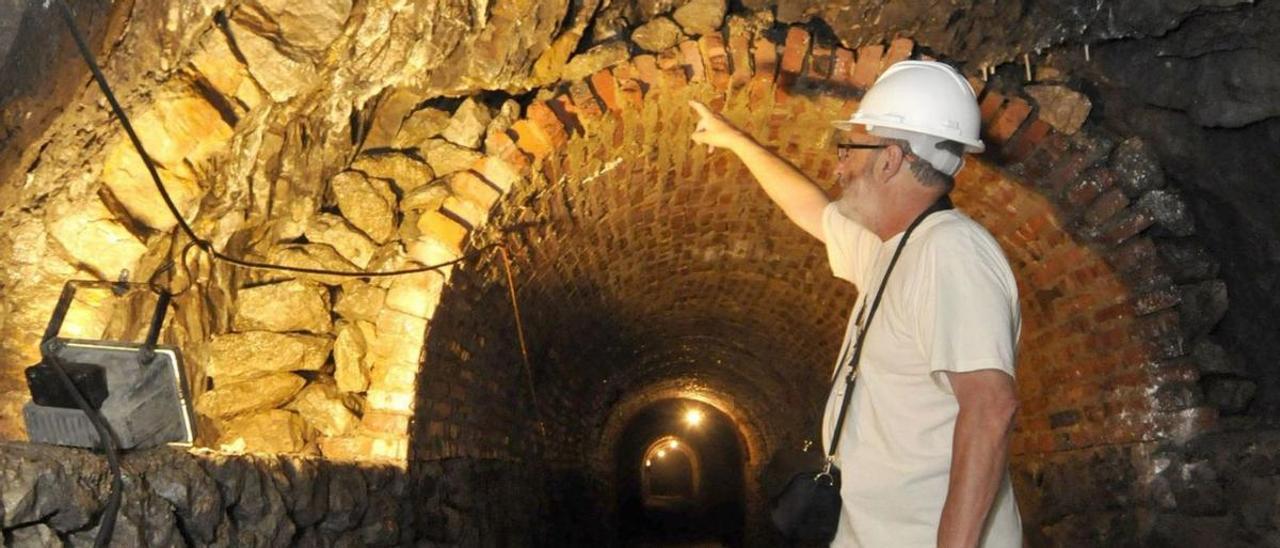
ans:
(951, 305)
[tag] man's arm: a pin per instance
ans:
(980, 449)
(798, 196)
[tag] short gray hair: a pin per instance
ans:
(924, 171)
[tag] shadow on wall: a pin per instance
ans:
(479, 402)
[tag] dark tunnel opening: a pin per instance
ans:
(680, 476)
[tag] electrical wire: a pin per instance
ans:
(524, 348)
(202, 243)
(110, 445)
(207, 246)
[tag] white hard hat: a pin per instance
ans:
(924, 103)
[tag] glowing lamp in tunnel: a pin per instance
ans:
(648, 463)
(674, 444)
(692, 417)
(662, 453)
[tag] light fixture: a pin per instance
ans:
(139, 390)
(693, 417)
(674, 444)
(662, 453)
(648, 463)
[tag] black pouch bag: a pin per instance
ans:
(808, 508)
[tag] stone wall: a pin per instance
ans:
(55, 496)
(639, 261)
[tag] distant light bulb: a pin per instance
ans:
(662, 453)
(693, 417)
(648, 463)
(674, 444)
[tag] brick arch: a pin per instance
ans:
(1104, 374)
(756, 441)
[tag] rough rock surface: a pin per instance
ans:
(179, 134)
(272, 431)
(445, 157)
(698, 17)
(349, 346)
(1061, 107)
(320, 406)
(179, 498)
(257, 394)
(468, 123)
(404, 171)
(335, 231)
(241, 356)
(293, 305)
(657, 35)
(594, 59)
(368, 203)
(421, 125)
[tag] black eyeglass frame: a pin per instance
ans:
(843, 148)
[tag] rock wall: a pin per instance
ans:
(55, 496)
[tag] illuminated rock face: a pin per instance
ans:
(404, 134)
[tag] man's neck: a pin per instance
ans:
(895, 219)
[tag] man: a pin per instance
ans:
(924, 448)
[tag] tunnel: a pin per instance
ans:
(627, 339)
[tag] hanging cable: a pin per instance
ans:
(524, 349)
(207, 246)
(199, 242)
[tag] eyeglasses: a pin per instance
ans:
(842, 149)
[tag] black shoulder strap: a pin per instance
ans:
(943, 203)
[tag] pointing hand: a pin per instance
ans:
(712, 129)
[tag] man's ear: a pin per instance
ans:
(890, 162)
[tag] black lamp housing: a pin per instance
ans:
(140, 389)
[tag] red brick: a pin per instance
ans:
(631, 93)
(765, 55)
(868, 67)
(795, 50)
(1026, 141)
(1037, 166)
(473, 188)
(548, 123)
(385, 422)
(604, 86)
(1078, 159)
(584, 101)
(672, 71)
(1126, 225)
(989, 106)
(691, 59)
(647, 70)
(531, 139)
(498, 172)
(501, 145)
(1132, 254)
(740, 57)
(1086, 188)
(347, 448)
(842, 67)
(821, 57)
(566, 113)
(899, 50)
(1010, 119)
(716, 59)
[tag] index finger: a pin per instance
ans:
(700, 108)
